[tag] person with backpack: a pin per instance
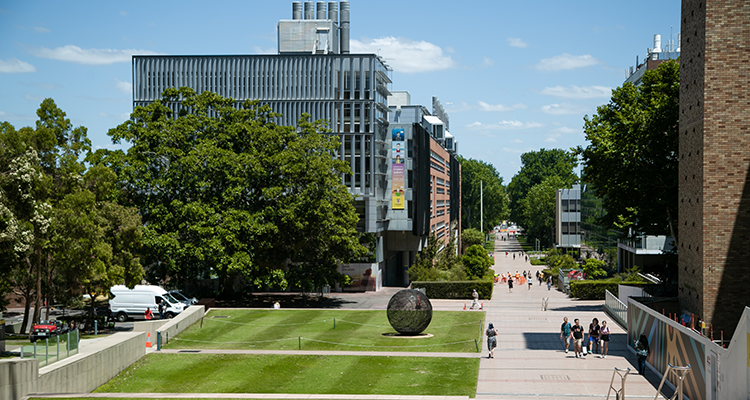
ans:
(565, 329)
(161, 309)
(491, 340)
(642, 351)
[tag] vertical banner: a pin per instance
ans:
(398, 187)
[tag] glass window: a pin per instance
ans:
(564, 205)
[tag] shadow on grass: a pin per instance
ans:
(285, 300)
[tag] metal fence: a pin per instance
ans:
(53, 349)
(617, 309)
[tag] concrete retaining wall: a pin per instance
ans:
(97, 361)
(18, 377)
(172, 326)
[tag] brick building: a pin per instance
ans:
(714, 191)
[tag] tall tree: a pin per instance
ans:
(535, 167)
(480, 182)
(632, 156)
(226, 190)
(538, 207)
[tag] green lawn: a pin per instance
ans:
(241, 373)
(314, 330)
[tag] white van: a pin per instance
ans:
(132, 303)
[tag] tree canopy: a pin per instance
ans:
(536, 166)
(224, 190)
(538, 207)
(632, 156)
(62, 233)
(480, 180)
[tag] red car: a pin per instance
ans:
(47, 329)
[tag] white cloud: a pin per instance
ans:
(565, 129)
(563, 109)
(566, 61)
(488, 62)
(123, 13)
(515, 124)
(406, 55)
(500, 107)
(33, 98)
(41, 29)
(577, 92)
(15, 66)
(518, 141)
(259, 50)
(516, 42)
(78, 55)
(550, 139)
(12, 116)
(125, 87)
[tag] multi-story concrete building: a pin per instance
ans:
(427, 175)
(568, 219)
(313, 73)
(714, 192)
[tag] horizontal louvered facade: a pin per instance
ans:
(347, 90)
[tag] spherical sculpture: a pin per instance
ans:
(409, 312)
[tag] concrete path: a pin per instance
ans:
(530, 360)
(253, 396)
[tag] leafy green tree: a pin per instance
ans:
(632, 156)
(227, 190)
(536, 166)
(480, 180)
(448, 259)
(476, 261)
(42, 177)
(594, 268)
(471, 236)
(423, 268)
(538, 216)
(557, 260)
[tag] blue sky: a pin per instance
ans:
(514, 76)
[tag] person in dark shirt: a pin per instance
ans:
(577, 332)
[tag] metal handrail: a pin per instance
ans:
(618, 309)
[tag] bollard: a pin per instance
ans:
(46, 351)
(476, 344)
(334, 323)
(201, 322)
(167, 338)
(67, 343)
(57, 340)
(96, 328)
(299, 341)
(158, 340)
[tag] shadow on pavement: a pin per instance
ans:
(588, 308)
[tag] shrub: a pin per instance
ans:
(594, 289)
(538, 261)
(476, 261)
(456, 289)
(471, 236)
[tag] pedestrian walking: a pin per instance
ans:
(524, 274)
(514, 256)
(510, 285)
(549, 282)
(565, 329)
(530, 282)
(577, 331)
(475, 296)
(161, 308)
(594, 329)
(491, 340)
(642, 351)
(604, 339)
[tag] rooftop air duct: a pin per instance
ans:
(321, 10)
(344, 27)
(309, 10)
(297, 10)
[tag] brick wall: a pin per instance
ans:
(714, 194)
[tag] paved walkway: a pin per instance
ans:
(530, 360)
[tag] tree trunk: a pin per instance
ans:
(38, 278)
(49, 284)
(27, 308)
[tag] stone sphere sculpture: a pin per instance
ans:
(409, 312)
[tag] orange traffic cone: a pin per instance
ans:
(481, 306)
(148, 340)
(464, 305)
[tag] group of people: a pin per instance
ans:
(519, 253)
(598, 337)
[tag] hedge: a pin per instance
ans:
(548, 272)
(455, 289)
(594, 289)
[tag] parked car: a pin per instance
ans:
(127, 303)
(47, 329)
(188, 301)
